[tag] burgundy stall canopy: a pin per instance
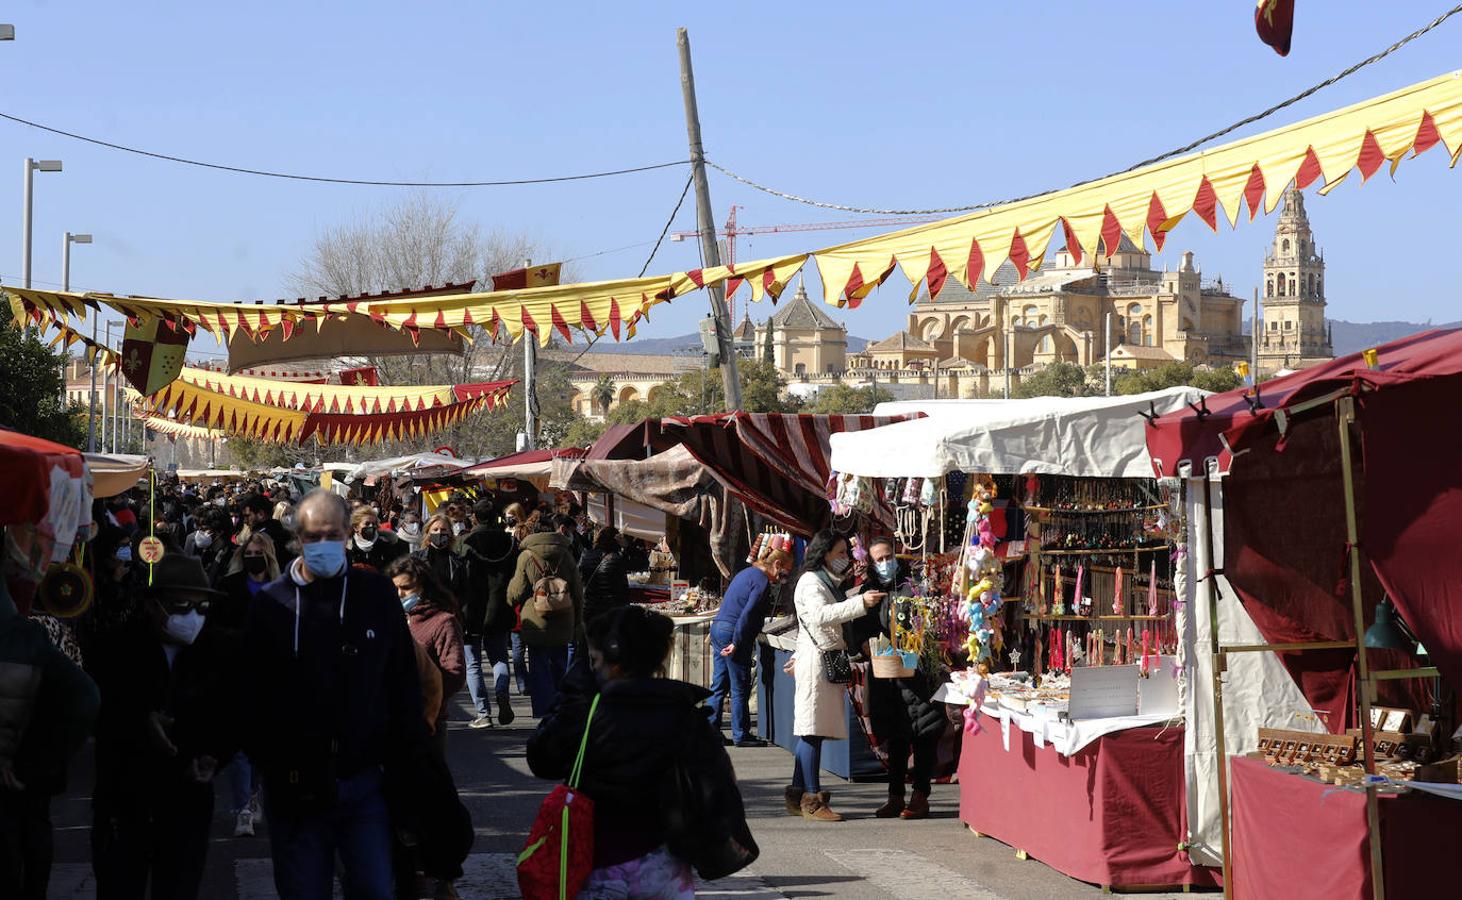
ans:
(1284, 520)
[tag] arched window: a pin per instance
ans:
(1147, 334)
(1319, 285)
(1269, 287)
(1284, 247)
(1028, 315)
(800, 369)
(1281, 286)
(1293, 287)
(1045, 345)
(1134, 333)
(1134, 311)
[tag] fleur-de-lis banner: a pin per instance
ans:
(1274, 20)
(152, 354)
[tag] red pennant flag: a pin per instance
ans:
(1156, 216)
(560, 324)
(364, 375)
(937, 274)
(1274, 21)
(586, 317)
(614, 317)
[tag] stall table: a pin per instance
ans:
(1297, 837)
(1112, 813)
(690, 649)
(775, 691)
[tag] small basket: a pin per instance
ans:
(892, 665)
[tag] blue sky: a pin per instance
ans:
(868, 104)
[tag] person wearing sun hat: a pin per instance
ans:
(168, 719)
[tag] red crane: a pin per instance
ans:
(732, 229)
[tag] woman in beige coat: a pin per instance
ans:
(818, 707)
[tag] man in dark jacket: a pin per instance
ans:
(168, 720)
(257, 513)
(333, 712)
(487, 619)
(547, 636)
(901, 710)
(47, 707)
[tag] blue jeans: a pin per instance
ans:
(730, 675)
(358, 828)
(807, 765)
(546, 666)
(494, 649)
(520, 668)
(241, 782)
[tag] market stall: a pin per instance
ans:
(47, 488)
(1062, 590)
(1339, 503)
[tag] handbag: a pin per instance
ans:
(837, 668)
(705, 817)
(559, 854)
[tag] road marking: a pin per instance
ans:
(909, 876)
(485, 876)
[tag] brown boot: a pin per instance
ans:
(815, 807)
(892, 808)
(793, 798)
(918, 807)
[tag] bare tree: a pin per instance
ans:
(423, 240)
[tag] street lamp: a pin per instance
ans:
(7, 32)
(31, 167)
(66, 286)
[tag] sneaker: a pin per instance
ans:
(481, 722)
(504, 709)
(244, 823)
(727, 741)
(751, 742)
(257, 809)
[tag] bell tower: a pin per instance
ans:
(1294, 292)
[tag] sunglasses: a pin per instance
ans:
(183, 604)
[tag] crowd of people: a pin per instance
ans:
(308, 651)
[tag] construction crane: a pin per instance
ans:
(732, 229)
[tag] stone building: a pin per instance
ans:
(806, 342)
(1294, 330)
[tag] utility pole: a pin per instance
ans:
(530, 389)
(1254, 339)
(1107, 323)
(710, 252)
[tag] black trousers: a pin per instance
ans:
(925, 749)
(161, 837)
(25, 844)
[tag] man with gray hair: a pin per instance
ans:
(335, 705)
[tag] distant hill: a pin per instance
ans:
(681, 344)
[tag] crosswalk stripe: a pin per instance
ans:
(909, 876)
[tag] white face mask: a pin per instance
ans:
(837, 566)
(184, 627)
(202, 540)
(411, 529)
(459, 527)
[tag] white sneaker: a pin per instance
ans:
(481, 722)
(244, 823)
(257, 809)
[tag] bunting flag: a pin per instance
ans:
(1274, 21)
(1148, 201)
(176, 429)
(363, 376)
(528, 277)
(152, 353)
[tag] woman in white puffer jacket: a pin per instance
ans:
(818, 708)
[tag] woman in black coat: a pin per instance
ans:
(665, 795)
(900, 709)
(606, 578)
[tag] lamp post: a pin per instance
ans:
(66, 243)
(31, 167)
(109, 400)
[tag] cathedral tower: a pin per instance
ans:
(1294, 292)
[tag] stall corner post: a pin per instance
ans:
(1220, 663)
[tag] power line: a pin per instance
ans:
(266, 173)
(1177, 151)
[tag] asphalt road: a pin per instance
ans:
(863, 857)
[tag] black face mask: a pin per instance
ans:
(368, 533)
(255, 565)
(440, 539)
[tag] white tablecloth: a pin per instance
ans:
(1066, 737)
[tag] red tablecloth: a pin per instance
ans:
(1112, 814)
(1296, 838)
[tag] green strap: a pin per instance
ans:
(563, 844)
(583, 745)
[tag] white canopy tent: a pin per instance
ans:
(1099, 437)
(1102, 437)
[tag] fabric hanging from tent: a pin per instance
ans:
(114, 473)
(172, 428)
(1150, 200)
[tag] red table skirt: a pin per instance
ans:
(1112, 814)
(1296, 838)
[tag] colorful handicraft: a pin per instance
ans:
(980, 606)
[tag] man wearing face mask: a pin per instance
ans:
(369, 546)
(333, 710)
(257, 513)
(169, 696)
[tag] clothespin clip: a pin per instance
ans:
(1151, 414)
(1201, 408)
(1255, 401)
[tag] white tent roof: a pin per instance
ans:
(1082, 436)
(376, 468)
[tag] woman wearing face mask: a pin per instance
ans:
(169, 715)
(369, 547)
(818, 708)
(440, 553)
(253, 567)
(409, 530)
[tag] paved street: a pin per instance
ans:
(862, 858)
